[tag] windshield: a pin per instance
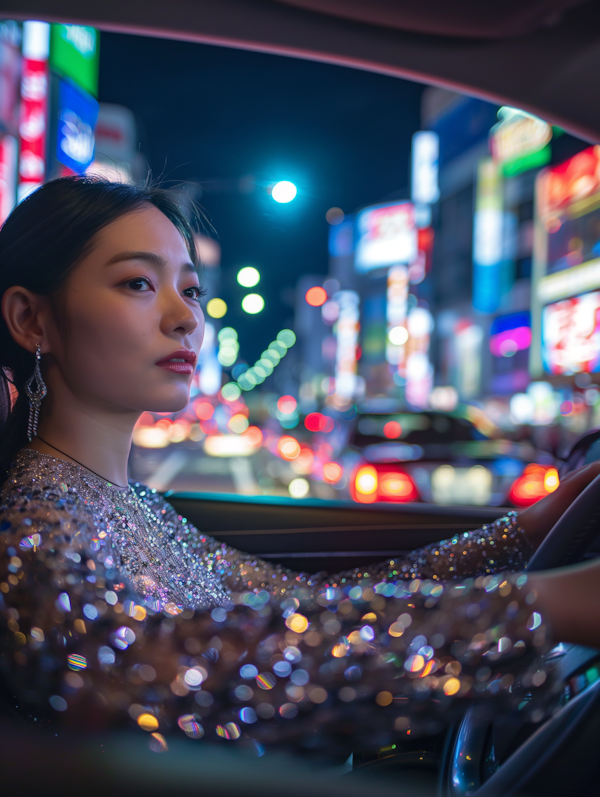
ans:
(378, 254)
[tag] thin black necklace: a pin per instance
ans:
(81, 463)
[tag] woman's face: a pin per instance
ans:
(131, 324)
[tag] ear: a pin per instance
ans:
(25, 314)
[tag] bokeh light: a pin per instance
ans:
(253, 303)
(288, 447)
(334, 216)
(398, 335)
(248, 276)
(332, 472)
(316, 296)
(299, 488)
(297, 623)
(238, 423)
(287, 337)
(204, 411)
(231, 391)
(216, 308)
(284, 191)
(286, 404)
(253, 435)
(392, 430)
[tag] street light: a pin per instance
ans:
(253, 303)
(248, 276)
(216, 308)
(284, 191)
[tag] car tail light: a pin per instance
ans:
(365, 485)
(372, 484)
(536, 482)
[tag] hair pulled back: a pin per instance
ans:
(41, 242)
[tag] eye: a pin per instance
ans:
(139, 284)
(194, 292)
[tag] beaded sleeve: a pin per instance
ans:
(496, 547)
(348, 657)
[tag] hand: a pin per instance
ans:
(569, 598)
(537, 520)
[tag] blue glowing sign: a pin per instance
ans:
(77, 117)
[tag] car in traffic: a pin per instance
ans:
(443, 458)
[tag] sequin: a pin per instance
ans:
(141, 575)
(157, 743)
(248, 715)
(265, 680)
(288, 710)
(77, 662)
(190, 725)
(147, 722)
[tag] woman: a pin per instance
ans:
(117, 610)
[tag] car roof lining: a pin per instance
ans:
(462, 18)
(546, 71)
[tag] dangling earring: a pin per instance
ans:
(35, 393)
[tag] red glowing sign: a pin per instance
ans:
(571, 335)
(8, 174)
(575, 179)
(32, 125)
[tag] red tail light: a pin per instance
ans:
(536, 482)
(372, 483)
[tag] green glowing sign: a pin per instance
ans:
(74, 53)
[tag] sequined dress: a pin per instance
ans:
(116, 611)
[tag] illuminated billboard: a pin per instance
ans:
(33, 117)
(386, 235)
(425, 164)
(74, 54)
(488, 237)
(571, 335)
(566, 262)
(77, 117)
(520, 141)
(510, 334)
(10, 74)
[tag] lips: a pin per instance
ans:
(182, 361)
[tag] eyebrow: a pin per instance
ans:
(149, 257)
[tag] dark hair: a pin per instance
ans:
(42, 240)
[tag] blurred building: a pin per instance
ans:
(479, 286)
(493, 174)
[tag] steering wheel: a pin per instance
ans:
(471, 748)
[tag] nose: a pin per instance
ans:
(178, 316)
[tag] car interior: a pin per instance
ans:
(538, 55)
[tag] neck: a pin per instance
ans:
(99, 439)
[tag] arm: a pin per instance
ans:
(505, 545)
(80, 647)
(496, 547)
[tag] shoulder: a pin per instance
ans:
(154, 501)
(175, 524)
(36, 499)
(157, 503)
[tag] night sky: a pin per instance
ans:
(211, 115)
